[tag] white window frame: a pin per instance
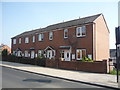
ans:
(26, 53)
(50, 35)
(66, 30)
(80, 54)
(40, 52)
(20, 40)
(14, 53)
(41, 37)
(26, 39)
(33, 39)
(80, 30)
(14, 41)
(33, 54)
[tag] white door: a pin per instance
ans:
(19, 53)
(67, 55)
(49, 54)
(32, 54)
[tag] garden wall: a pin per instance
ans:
(97, 66)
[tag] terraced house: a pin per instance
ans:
(70, 40)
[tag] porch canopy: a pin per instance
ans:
(49, 48)
(18, 49)
(32, 48)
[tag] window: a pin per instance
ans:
(80, 53)
(50, 35)
(32, 54)
(26, 54)
(81, 31)
(40, 52)
(66, 33)
(62, 54)
(19, 40)
(40, 37)
(14, 53)
(33, 39)
(14, 41)
(26, 40)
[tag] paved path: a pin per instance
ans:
(95, 78)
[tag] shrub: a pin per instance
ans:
(114, 72)
(86, 59)
(41, 57)
(5, 52)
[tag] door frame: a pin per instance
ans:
(31, 54)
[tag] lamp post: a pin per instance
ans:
(117, 32)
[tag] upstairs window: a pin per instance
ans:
(40, 37)
(26, 40)
(19, 40)
(33, 39)
(66, 33)
(80, 53)
(50, 35)
(14, 41)
(81, 31)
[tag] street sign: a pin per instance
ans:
(117, 32)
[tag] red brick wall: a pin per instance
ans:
(98, 66)
(58, 40)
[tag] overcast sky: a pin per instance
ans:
(18, 17)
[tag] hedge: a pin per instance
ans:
(23, 60)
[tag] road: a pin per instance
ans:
(12, 78)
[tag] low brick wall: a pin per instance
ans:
(51, 63)
(98, 66)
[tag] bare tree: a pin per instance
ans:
(72, 40)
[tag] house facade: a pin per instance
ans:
(71, 40)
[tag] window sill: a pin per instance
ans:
(41, 41)
(81, 36)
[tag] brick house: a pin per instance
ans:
(2, 47)
(71, 40)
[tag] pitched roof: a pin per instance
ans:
(80, 21)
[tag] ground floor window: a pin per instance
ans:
(40, 52)
(26, 54)
(32, 54)
(14, 53)
(62, 54)
(65, 55)
(80, 53)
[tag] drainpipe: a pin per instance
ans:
(94, 41)
(71, 52)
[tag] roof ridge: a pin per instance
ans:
(82, 20)
(76, 19)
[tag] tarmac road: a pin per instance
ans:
(12, 78)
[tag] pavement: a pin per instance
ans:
(99, 79)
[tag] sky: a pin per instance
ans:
(18, 17)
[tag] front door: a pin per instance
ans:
(67, 55)
(32, 54)
(49, 54)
